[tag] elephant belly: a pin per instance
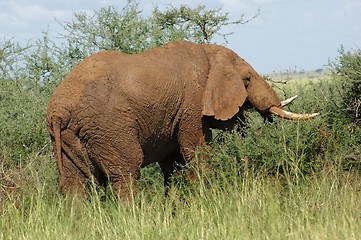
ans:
(159, 150)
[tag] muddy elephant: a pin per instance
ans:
(116, 113)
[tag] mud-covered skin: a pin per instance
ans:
(115, 113)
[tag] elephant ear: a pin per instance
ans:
(224, 91)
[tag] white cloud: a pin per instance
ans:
(349, 9)
(35, 12)
(234, 6)
(246, 4)
(270, 1)
(19, 14)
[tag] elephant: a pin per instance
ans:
(116, 113)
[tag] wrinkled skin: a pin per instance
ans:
(116, 113)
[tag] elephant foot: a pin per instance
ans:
(73, 187)
(125, 190)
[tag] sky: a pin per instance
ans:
(288, 34)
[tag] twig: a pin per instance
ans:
(10, 195)
(42, 149)
(329, 195)
(357, 107)
(273, 81)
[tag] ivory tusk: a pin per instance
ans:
(289, 115)
(288, 101)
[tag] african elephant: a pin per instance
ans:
(116, 113)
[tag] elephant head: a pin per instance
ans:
(232, 81)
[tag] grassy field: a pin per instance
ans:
(293, 75)
(326, 206)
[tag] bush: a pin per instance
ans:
(292, 149)
(28, 79)
(347, 68)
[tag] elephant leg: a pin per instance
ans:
(72, 180)
(74, 167)
(120, 162)
(125, 182)
(171, 165)
(191, 137)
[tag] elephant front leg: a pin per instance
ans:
(125, 182)
(192, 137)
(171, 165)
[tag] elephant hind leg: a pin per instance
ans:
(76, 170)
(72, 181)
(120, 162)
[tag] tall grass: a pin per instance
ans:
(323, 206)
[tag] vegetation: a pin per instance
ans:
(347, 68)
(326, 206)
(195, 24)
(286, 179)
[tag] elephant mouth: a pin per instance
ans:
(290, 115)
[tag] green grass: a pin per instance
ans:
(323, 206)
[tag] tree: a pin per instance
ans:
(129, 31)
(198, 25)
(125, 30)
(10, 56)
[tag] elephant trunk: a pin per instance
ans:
(266, 100)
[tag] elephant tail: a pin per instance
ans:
(56, 122)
